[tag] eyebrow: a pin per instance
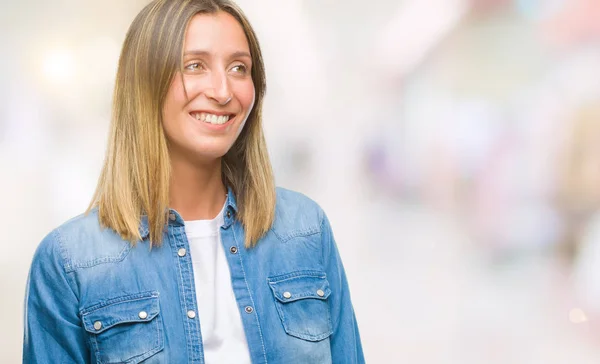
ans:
(197, 52)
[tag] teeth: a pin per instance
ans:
(210, 118)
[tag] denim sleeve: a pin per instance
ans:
(345, 341)
(53, 332)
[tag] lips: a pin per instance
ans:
(212, 118)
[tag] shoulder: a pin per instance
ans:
(296, 215)
(81, 242)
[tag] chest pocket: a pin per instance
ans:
(126, 329)
(301, 300)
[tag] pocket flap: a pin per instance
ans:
(140, 307)
(298, 285)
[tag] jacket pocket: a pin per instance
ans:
(301, 300)
(126, 329)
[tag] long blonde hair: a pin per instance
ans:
(135, 177)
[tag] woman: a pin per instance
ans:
(188, 253)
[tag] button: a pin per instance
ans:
(320, 293)
(228, 214)
(233, 250)
(181, 252)
(191, 314)
(143, 315)
(97, 325)
(287, 295)
(249, 309)
(172, 216)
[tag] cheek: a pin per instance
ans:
(171, 111)
(174, 101)
(247, 96)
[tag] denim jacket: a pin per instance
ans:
(95, 298)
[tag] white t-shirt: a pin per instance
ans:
(222, 330)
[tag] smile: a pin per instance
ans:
(211, 118)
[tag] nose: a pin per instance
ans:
(219, 90)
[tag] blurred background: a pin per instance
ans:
(454, 144)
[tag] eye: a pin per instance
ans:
(195, 66)
(240, 68)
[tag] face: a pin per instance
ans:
(204, 124)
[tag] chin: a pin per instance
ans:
(205, 154)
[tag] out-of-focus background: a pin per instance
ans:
(454, 144)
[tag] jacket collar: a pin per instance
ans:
(176, 219)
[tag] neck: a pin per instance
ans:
(196, 190)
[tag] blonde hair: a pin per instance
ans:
(135, 177)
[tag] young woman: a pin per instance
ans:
(189, 254)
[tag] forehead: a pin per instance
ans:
(218, 32)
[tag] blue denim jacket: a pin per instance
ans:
(94, 298)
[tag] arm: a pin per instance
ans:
(53, 331)
(345, 341)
